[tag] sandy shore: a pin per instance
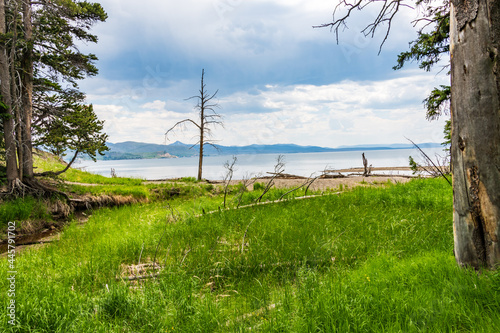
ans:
(327, 183)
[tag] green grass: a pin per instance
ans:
(369, 260)
(48, 162)
(22, 209)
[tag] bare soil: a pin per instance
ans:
(322, 184)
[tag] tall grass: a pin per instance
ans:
(47, 162)
(22, 209)
(369, 260)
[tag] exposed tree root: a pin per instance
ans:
(30, 186)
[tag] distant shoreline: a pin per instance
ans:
(136, 150)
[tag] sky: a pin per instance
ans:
(279, 80)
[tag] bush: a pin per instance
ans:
(258, 186)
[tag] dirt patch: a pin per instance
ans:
(323, 184)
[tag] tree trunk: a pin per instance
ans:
(57, 173)
(7, 116)
(200, 161)
(475, 109)
(14, 90)
(202, 123)
(27, 93)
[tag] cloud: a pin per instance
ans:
(156, 105)
(240, 43)
(279, 80)
(343, 113)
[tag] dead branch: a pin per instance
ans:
(229, 175)
(286, 175)
(435, 169)
(308, 182)
(278, 170)
(184, 258)
(245, 183)
(385, 16)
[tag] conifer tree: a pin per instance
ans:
(41, 65)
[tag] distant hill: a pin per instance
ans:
(140, 150)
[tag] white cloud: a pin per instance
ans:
(155, 105)
(328, 115)
(256, 51)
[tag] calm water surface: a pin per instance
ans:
(302, 164)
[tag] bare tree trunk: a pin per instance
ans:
(14, 91)
(202, 132)
(475, 106)
(202, 124)
(200, 161)
(7, 116)
(27, 93)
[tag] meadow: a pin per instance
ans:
(366, 260)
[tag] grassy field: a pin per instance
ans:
(368, 260)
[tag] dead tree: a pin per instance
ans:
(245, 183)
(279, 168)
(229, 166)
(208, 117)
(475, 105)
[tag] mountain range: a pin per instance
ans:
(141, 150)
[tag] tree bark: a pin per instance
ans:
(202, 124)
(200, 160)
(475, 111)
(7, 116)
(27, 93)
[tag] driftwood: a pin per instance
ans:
(283, 175)
(138, 277)
(327, 176)
(367, 170)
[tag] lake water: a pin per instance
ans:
(301, 164)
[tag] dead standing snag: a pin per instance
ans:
(208, 118)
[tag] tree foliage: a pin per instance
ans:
(42, 64)
(78, 130)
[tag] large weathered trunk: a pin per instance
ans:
(7, 116)
(27, 93)
(475, 105)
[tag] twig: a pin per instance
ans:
(430, 160)
(185, 255)
(140, 255)
(308, 182)
(229, 175)
(278, 170)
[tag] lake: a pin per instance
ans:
(301, 164)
